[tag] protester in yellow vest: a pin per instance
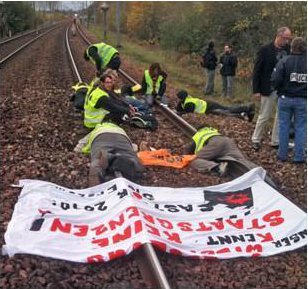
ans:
(111, 151)
(103, 56)
(189, 104)
(215, 152)
(101, 105)
(154, 84)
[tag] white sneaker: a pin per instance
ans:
(222, 168)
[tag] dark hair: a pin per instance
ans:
(182, 94)
(211, 45)
(298, 45)
(155, 68)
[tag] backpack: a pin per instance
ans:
(143, 121)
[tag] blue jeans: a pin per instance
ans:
(140, 105)
(289, 107)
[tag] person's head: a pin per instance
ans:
(107, 82)
(85, 55)
(155, 70)
(298, 45)
(112, 73)
(283, 37)
(227, 48)
(182, 94)
(211, 45)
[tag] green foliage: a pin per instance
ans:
(17, 17)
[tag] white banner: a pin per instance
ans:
(244, 217)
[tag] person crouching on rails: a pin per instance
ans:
(189, 104)
(111, 151)
(214, 152)
(154, 84)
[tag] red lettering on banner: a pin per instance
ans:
(134, 212)
(148, 218)
(57, 225)
(173, 237)
(138, 226)
(273, 218)
(103, 242)
(83, 230)
(175, 252)
(116, 254)
(223, 250)
(159, 245)
(185, 226)
(266, 238)
(99, 229)
(255, 225)
(121, 237)
(252, 248)
(95, 259)
(219, 225)
(239, 224)
(153, 230)
(136, 245)
(113, 223)
(203, 228)
(165, 223)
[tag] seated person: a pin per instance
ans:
(102, 104)
(188, 104)
(214, 151)
(154, 84)
(111, 151)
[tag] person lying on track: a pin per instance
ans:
(111, 151)
(215, 152)
(189, 104)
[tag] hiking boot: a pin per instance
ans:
(256, 146)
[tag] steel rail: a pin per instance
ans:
(8, 39)
(3, 60)
(152, 271)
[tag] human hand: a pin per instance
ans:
(256, 96)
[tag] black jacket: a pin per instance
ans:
(210, 59)
(290, 76)
(267, 57)
(229, 64)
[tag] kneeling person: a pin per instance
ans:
(111, 151)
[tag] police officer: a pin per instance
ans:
(214, 152)
(103, 56)
(154, 84)
(111, 150)
(189, 104)
(99, 105)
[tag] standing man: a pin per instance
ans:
(267, 58)
(228, 63)
(209, 64)
(103, 56)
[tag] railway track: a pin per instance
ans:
(34, 111)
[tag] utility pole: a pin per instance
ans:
(118, 21)
(104, 8)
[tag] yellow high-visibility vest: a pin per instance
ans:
(149, 82)
(202, 135)
(200, 104)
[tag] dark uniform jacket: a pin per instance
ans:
(290, 76)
